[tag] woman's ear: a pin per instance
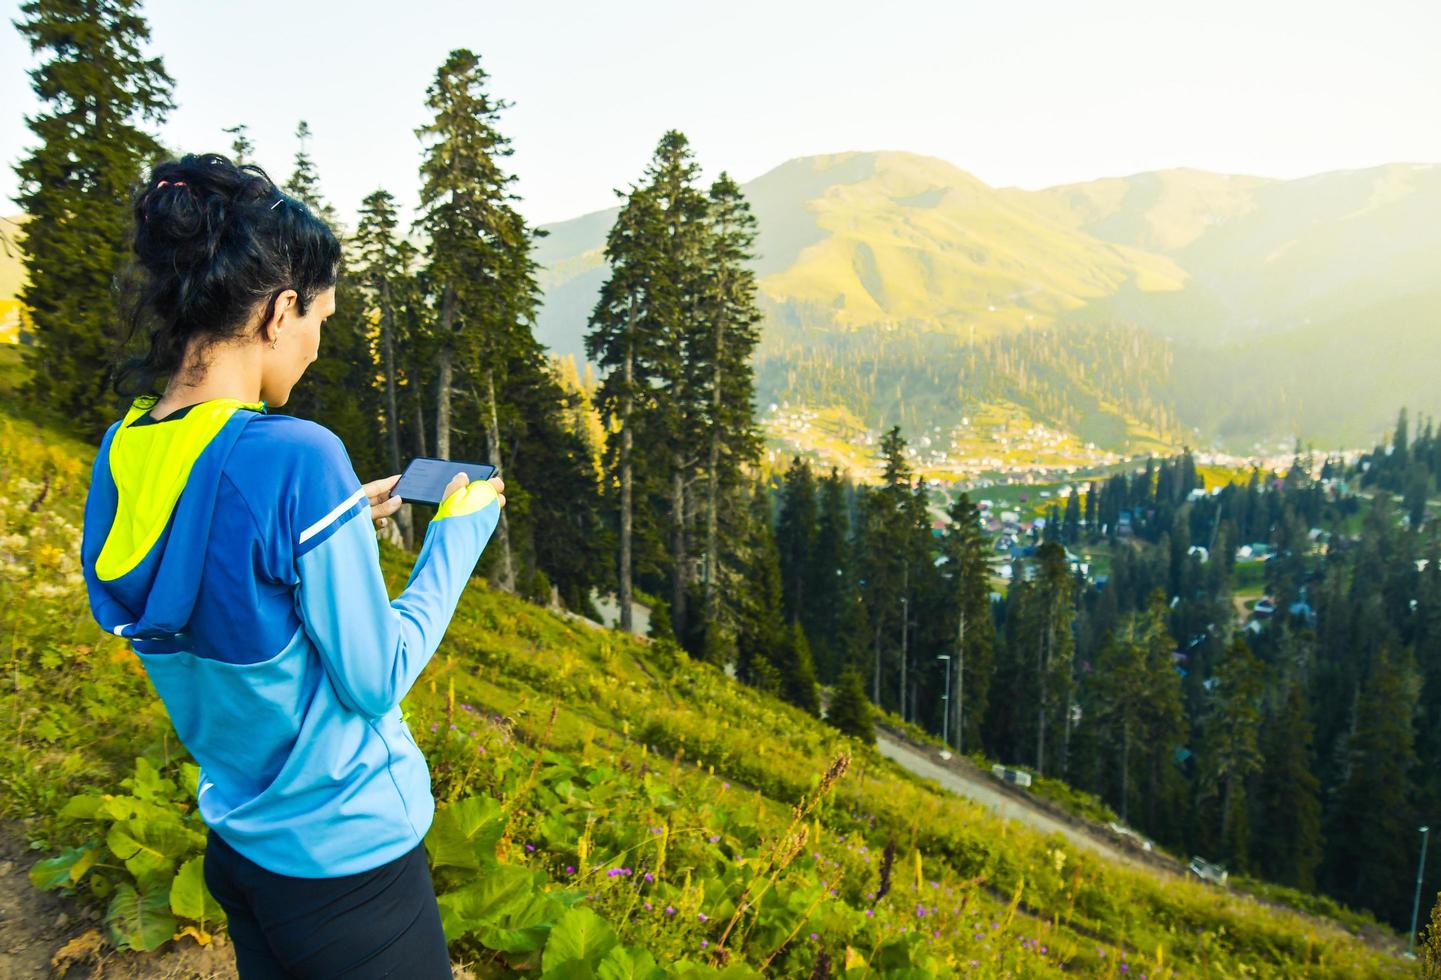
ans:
(280, 313)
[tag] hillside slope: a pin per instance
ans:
(606, 805)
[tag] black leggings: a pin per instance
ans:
(379, 923)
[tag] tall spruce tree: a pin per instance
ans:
(1287, 842)
(382, 263)
(796, 531)
(623, 342)
(968, 627)
(480, 269)
(1371, 833)
(1232, 752)
(882, 543)
(830, 613)
(338, 390)
(98, 91)
(727, 335)
(849, 710)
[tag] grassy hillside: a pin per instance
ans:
(609, 808)
(882, 247)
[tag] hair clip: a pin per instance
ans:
(277, 204)
(177, 183)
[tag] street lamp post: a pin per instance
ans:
(1416, 904)
(946, 700)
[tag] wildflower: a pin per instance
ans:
(670, 910)
(570, 869)
(434, 726)
(649, 877)
(704, 943)
(1043, 949)
(713, 838)
(814, 936)
(530, 848)
(1125, 967)
(647, 905)
(920, 911)
(701, 916)
(870, 913)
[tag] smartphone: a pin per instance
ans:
(425, 478)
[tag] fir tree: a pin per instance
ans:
(1371, 831)
(1288, 837)
(968, 626)
(849, 710)
(1232, 750)
(796, 533)
(97, 91)
(728, 333)
(480, 263)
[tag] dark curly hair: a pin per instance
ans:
(212, 239)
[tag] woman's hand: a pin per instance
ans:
(460, 481)
(382, 504)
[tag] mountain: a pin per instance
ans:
(1304, 306)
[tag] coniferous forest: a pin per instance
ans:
(1294, 738)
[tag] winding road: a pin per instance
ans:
(980, 788)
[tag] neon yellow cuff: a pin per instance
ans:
(472, 497)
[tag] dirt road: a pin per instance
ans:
(983, 790)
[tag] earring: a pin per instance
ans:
(274, 342)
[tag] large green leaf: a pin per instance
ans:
(190, 899)
(465, 833)
(622, 963)
(147, 784)
(578, 942)
(486, 901)
(139, 920)
(149, 848)
(61, 869)
(81, 808)
(523, 929)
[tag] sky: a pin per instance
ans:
(1027, 93)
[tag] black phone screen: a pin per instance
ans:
(425, 479)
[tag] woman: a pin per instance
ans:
(236, 550)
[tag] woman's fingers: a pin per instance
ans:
(378, 490)
(499, 485)
(457, 482)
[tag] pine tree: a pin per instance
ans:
(97, 91)
(242, 151)
(622, 341)
(728, 333)
(760, 625)
(797, 670)
(849, 710)
(675, 305)
(382, 263)
(1371, 831)
(480, 261)
(832, 604)
(1232, 750)
(1117, 691)
(968, 626)
(796, 533)
(882, 546)
(1288, 839)
(338, 390)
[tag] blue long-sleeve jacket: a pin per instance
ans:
(235, 550)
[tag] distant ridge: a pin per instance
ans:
(1308, 306)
